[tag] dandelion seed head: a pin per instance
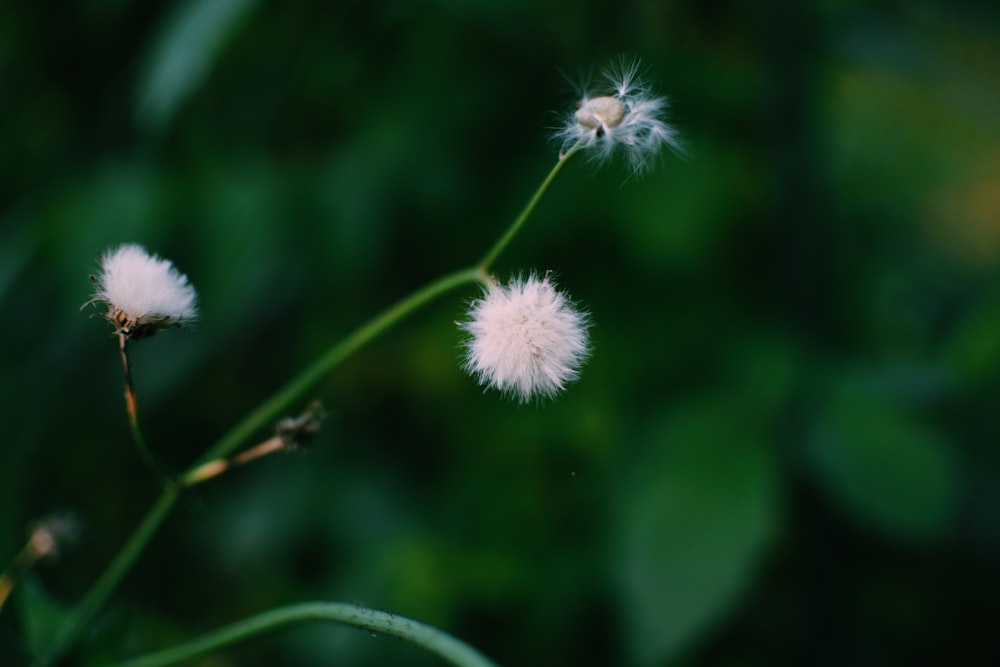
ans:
(526, 338)
(143, 292)
(624, 118)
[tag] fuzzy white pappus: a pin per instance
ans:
(143, 292)
(624, 118)
(526, 338)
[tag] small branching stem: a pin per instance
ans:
(212, 469)
(307, 380)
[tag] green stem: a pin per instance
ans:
(487, 261)
(132, 408)
(453, 650)
(275, 406)
(70, 631)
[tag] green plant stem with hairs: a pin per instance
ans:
(272, 409)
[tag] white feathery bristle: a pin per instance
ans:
(624, 118)
(144, 292)
(526, 338)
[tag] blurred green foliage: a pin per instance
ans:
(783, 450)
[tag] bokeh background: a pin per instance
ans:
(783, 450)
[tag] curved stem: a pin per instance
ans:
(453, 650)
(515, 227)
(70, 631)
(132, 408)
(273, 408)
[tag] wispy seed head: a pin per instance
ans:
(143, 292)
(621, 117)
(526, 338)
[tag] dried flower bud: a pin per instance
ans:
(295, 432)
(51, 534)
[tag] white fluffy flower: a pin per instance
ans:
(143, 292)
(526, 338)
(624, 117)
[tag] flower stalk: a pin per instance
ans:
(290, 435)
(491, 255)
(132, 409)
(212, 469)
(454, 651)
(46, 540)
(69, 633)
(310, 378)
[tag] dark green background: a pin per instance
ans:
(782, 451)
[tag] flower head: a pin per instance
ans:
(50, 535)
(624, 117)
(526, 338)
(143, 292)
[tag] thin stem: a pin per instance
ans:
(22, 563)
(259, 418)
(487, 261)
(47, 539)
(275, 406)
(444, 645)
(70, 631)
(132, 408)
(211, 469)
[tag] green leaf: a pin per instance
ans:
(189, 42)
(696, 520)
(41, 615)
(883, 466)
(972, 351)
